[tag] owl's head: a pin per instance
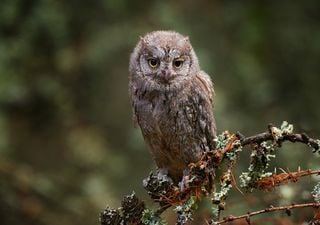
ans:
(164, 56)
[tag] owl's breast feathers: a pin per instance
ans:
(178, 125)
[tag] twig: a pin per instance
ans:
(267, 210)
(267, 136)
(283, 178)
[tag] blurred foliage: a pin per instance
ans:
(67, 143)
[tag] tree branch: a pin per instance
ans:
(267, 210)
(198, 181)
(271, 136)
(283, 178)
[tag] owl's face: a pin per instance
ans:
(164, 57)
(164, 64)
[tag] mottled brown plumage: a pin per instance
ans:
(172, 100)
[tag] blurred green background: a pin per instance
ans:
(67, 143)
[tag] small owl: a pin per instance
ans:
(172, 101)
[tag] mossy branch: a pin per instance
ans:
(199, 181)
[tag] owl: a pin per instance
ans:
(172, 101)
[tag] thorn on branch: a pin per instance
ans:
(288, 212)
(248, 220)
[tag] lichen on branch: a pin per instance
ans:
(200, 180)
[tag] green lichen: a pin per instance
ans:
(232, 155)
(222, 140)
(225, 187)
(149, 217)
(285, 129)
(185, 211)
(260, 158)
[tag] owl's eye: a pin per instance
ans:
(153, 62)
(177, 63)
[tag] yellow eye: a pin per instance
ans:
(153, 63)
(177, 63)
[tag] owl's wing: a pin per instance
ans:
(204, 107)
(206, 84)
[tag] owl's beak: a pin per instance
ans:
(166, 75)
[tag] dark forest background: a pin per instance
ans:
(67, 143)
